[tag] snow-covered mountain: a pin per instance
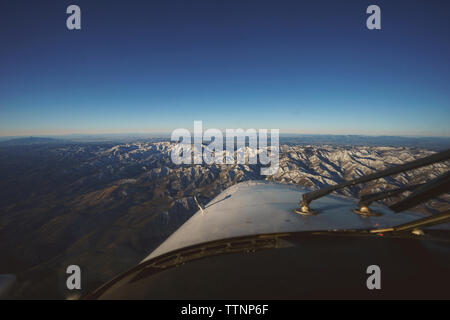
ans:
(128, 166)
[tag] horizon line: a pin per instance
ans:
(169, 134)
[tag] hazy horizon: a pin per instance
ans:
(205, 127)
(168, 134)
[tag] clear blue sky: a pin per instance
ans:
(152, 66)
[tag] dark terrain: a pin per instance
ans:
(104, 206)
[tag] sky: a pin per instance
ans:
(152, 66)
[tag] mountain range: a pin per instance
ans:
(105, 206)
